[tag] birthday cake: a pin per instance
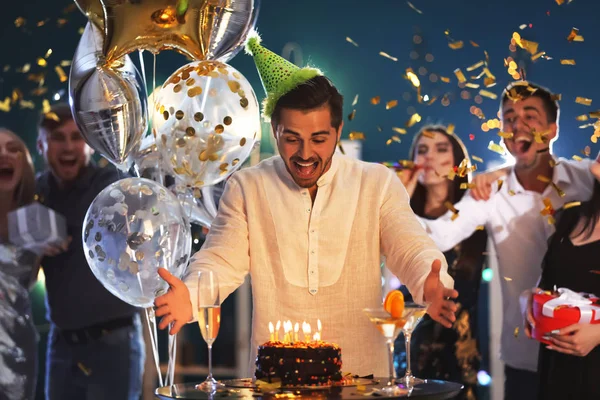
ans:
(300, 363)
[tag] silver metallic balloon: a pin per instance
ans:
(108, 103)
(236, 19)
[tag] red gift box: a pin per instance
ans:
(552, 311)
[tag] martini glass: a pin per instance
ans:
(413, 313)
(390, 328)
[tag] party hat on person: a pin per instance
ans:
(278, 75)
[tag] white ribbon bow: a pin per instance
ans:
(589, 312)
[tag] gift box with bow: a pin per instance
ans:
(553, 311)
(34, 227)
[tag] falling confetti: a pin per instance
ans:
(459, 75)
(567, 62)
(415, 118)
(571, 205)
(413, 7)
(386, 55)
(375, 100)
(355, 100)
(584, 101)
(357, 136)
(574, 36)
(401, 131)
(496, 148)
(349, 40)
(391, 104)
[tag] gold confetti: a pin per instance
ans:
(415, 118)
(584, 101)
(571, 205)
(507, 279)
(413, 78)
(472, 85)
(19, 22)
(5, 105)
(450, 128)
(595, 114)
(531, 47)
(456, 45)
(450, 207)
(61, 73)
(86, 371)
(500, 183)
(488, 94)
(476, 65)
(511, 192)
(413, 7)
(545, 179)
(46, 108)
(355, 100)
(375, 100)
(65, 63)
(459, 75)
(243, 142)
(586, 151)
(465, 185)
(349, 40)
(27, 104)
(577, 158)
(401, 131)
(48, 53)
(567, 62)
(351, 115)
(557, 97)
(582, 117)
(445, 79)
(475, 158)
(391, 104)
(386, 55)
(574, 36)
(41, 62)
(357, 136)
(496, 148)
(473, 43)
(480, 227)
(516, 332)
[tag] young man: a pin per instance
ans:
(513, 217)
(95, 345)
(310, 226)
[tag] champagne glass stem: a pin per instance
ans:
(392, 371)
(210, 375)
(408, 374)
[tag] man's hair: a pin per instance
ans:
(59, 114)
(522, 89)
(313, 93)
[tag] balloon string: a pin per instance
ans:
(170, 377)
(151, 321)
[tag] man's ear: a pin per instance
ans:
(553, 131)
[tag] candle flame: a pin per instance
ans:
(286, 326)
(296, 327)
(306, 328)
(319, 326)
(271, 328)
(317, 336)
(278, 325)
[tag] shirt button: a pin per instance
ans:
(312, 231)
(313, 291)
(312, 272)
(308, 210)
(312, 252)
(303, 193)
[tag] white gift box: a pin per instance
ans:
(35, 227)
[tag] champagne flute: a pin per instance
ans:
(209, 320)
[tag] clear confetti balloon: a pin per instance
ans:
(207, 121)
(132, 228)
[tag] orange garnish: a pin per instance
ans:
(394, 303)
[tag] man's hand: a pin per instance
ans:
(482, 189)
(174, 306)
(409, 178)
(576, 340)
(528, 320)
(441, 307)
(54, 250)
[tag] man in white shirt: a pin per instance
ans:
(310, 227)
(518, 218)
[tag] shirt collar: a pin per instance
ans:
(559, 175)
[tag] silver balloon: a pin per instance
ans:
(195, 210)
(108, 103)
(236, 18)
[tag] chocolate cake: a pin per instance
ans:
(300, 363)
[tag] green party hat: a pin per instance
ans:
(278, 75)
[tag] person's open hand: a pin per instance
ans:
(175, 305)
(441, 307)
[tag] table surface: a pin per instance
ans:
(242, 389)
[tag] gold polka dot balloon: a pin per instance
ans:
(206, 119)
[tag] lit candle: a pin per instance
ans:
(277, 331)
(271, 332)
(319, 328)
(296, 329)
(317, 337)
(286, 336)
(306, 330)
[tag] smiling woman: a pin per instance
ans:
(18, 337)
